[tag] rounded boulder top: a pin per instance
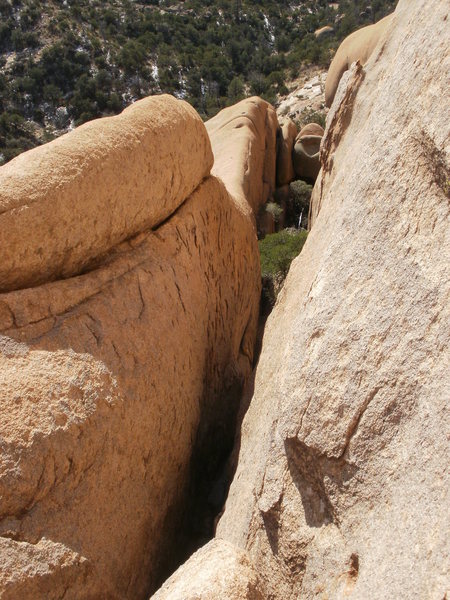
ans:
(357, 46)
(66, 203)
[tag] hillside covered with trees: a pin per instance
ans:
(63, 63)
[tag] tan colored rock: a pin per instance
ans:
(342, 486)
(323, 32)
(75, 198)
(285, 169)
(359, 45)
(103, 379)
(243, 139)
(306, 152)
(337, 123)
(216, 571)
(311, 129)
(28, 571)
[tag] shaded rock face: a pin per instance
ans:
(286, 139)
(341, 488)
(306, 152)
(106, 376)
(357, 46)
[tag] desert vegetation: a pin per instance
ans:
(277, 251)
(64, 63)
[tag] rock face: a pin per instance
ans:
(342, 484)
(243, 139)
(357, 46)
(323, 32)
(306, 152)
(28, 571)
(104, 376)
(216, 571)
(78, 196)
(285, 168)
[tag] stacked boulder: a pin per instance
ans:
(81, 195)
(130, 296)
(306, 153)
(358, 46)
(243, 140)
(298, 157)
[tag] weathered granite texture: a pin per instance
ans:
(342, 482)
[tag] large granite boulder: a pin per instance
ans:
(103, 380)
(306, 152)
(342, 484)
(243, 139)
(311, 129)
(75, 198)
(359, 45)
(109, 378)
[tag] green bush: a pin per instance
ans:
(275, 210)
(311, 116)
(301, 195)
(277, 251)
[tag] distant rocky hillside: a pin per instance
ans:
(305, 101)
(63, 63)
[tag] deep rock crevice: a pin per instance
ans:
(341, 488)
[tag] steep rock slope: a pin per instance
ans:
(357, 46)
(341, 488)
(104, 380)
(342, 484)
